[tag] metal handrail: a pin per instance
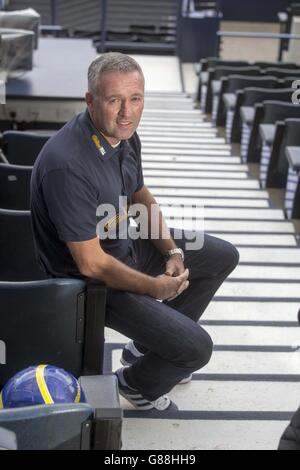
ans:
(251, 34)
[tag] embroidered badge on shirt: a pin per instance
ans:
(98, 144)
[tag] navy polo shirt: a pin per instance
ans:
(77, 176)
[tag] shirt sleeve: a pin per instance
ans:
(72, 205)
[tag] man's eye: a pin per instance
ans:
(114, 100)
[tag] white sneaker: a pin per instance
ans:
(134, 397)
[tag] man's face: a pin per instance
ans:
(117, 109)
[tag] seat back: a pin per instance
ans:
(282, 73)
(232, 83)
(215, 61)
(22, 148)
(42, 322)
(239, 82)
(249, 96)
(55, 321)
(50, 427)
(278, 167)
(15, 186)
(253, 95)
(268, 112)
(212, 62)
(279, 111)
(287, 81)
(217, 73)
(17, 254)
(220, 72)
(277, 65)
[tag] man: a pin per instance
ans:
(80, 174)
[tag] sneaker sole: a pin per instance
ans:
(186, 380)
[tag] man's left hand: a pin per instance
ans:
(174, 266)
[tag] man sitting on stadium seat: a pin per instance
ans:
(85, 181)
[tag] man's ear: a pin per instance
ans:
(89, 100)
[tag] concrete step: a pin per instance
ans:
(260, 290)
(189, 166)
(202, 434)
(222, 213)
(206, 192)
(254, 311)
(284, 273)
(259, 240)
(200, 183)
(216, 202)
(285, 256)
(209, 144)
(212, 160)
(194, 174)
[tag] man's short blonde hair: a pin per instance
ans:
(110, 62)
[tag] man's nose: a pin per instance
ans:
(125, 109)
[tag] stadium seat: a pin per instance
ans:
(211, 62)
(287, 81)
(292, 193)
(267, 112)
(15, 186)
(54, 321)
(277, 65)
(48, 427)
(282, 73)
(231, 84)
(95, 425)
(214, 79)
(22, 148)
(17, 255)
(248, 97)
(271, 136)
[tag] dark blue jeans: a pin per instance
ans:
(175, 345)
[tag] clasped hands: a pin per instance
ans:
(174, 281)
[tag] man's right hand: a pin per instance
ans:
(167, 287)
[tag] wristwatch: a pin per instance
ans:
(175, 251)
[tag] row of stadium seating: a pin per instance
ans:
(255, 105)
(59, 322)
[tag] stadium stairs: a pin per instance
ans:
(245, 397)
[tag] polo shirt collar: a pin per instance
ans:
(102, 146)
